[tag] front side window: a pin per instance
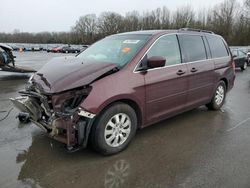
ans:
(167, 47)
(117, 49)
(192, 48)
(217, 46)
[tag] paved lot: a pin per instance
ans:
(199, 148)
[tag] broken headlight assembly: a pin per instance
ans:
(67, 103)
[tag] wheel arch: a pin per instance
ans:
(225, 81)
(129, 102)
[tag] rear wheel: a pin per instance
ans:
(244, 67)
(219, 97)
(114, 129)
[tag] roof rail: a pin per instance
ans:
(197, 30)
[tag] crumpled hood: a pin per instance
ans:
(65, 73)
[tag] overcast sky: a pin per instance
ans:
(60, 15)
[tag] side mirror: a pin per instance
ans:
(156, 61)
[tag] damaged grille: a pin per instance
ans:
(35, 91)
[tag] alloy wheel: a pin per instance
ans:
(245, 66)
(219, 95)
(117, 130)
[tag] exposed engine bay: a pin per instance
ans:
(53, 97)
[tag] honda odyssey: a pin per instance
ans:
(125, 82)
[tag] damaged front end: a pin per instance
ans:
(58, 114)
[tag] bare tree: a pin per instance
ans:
(132, 21)
(165, 18)
(183, 17)
(223, 18)
(229, 19)
(86, 27)
(247, 4)
(110, 23)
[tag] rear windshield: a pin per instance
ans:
(117, 49)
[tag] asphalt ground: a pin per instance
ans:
(199, 148)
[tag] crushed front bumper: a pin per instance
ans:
(71, 129)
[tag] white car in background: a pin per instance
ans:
(248, 58)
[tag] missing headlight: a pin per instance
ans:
(71, 104)
(68, 102)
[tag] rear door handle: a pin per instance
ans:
(180, 72)
(194, 70)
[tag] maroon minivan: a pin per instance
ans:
(125, 82)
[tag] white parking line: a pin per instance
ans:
(239, 124)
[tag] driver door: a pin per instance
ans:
(166, 87)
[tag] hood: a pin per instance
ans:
(65, 73)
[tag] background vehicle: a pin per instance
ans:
(240, 59)
(37, 48)
(56, 49)
(125, 82)
(83, 47)
(69, 49)
(7, 61)
(248, 58)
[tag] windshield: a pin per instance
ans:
(117, 49)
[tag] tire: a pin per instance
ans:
(109, 135)
(218, 97)
(23, 117)
(244, 67)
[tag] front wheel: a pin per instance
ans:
(218, 97)
(114, 129)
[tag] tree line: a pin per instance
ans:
(229, 19)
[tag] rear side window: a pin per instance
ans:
(217, 46)
(192, 48)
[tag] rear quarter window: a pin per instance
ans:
(217, 46)
(192, 48)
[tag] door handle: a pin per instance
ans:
(194, 70)
(180, 72)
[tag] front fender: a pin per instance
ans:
(95, 105)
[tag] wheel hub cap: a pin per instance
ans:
(117, 130)
(219, 96)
